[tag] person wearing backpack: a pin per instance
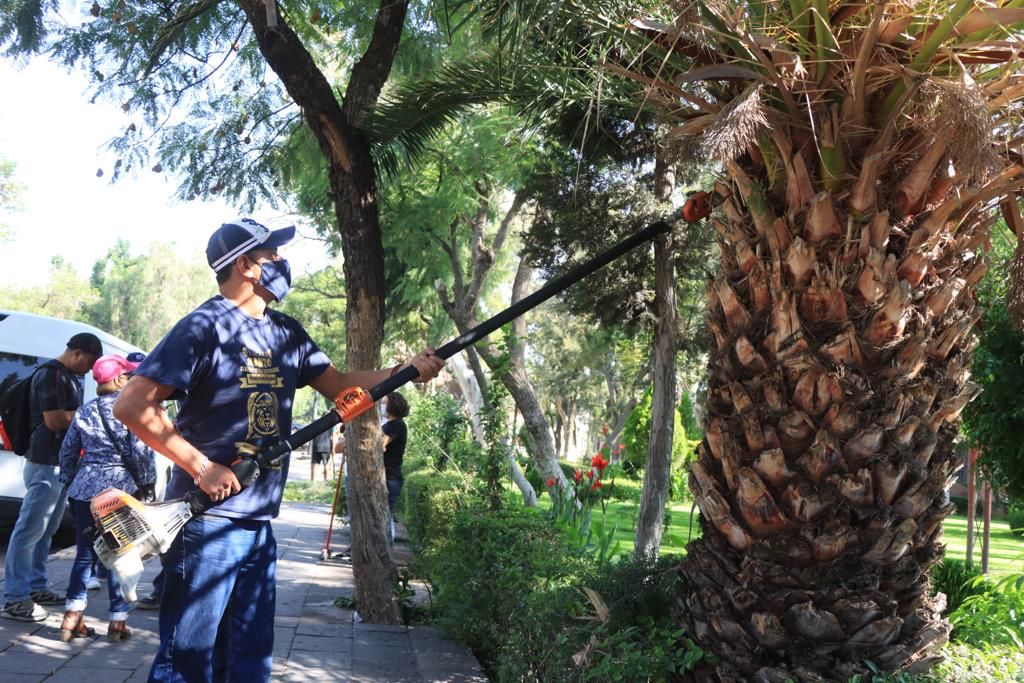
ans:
(100, 453)
(54, 395)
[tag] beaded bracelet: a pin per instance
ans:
(202, 471)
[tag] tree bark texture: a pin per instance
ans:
(352, 178)
(842, 341)
(658, 473)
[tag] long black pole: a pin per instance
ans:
(247, 470)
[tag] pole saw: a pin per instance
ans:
(127, 532)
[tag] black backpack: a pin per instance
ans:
(16, 413)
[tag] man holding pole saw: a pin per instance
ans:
(234, 364)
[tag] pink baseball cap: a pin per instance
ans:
(111, 366)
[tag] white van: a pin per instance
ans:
(26, 341)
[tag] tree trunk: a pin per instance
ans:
(972, 503)
(475, 402)
(987, 525)
(838, 370)
(658, 473)
(462, 313)
(352, 178)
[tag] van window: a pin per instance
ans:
(14, 366)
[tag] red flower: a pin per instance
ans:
(551, 482)
(599, 462)
(622, 446)
(590, 474)
(597, 485)
(577, 476)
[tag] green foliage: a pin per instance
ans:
(491, 561)
(994, 421)
(139, 298)
(689, 418)
(65, 295)
(636, 435)
(976, 664)
(318, 301)
(956, 579)
(1015, 518)
(994, 616)
(315, 492)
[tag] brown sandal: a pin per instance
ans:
(73, 626)
(118, 630)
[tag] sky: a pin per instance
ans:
(57, 140)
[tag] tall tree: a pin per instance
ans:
(217, 58)
(139, 298)
(865, 149)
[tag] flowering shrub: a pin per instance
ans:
(573, 508)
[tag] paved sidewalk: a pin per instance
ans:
(314, 640)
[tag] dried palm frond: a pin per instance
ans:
(737, 126)
(956, 111)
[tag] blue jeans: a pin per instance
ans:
(81, 568)
(41, 512)
(217, 607)
(394, 490)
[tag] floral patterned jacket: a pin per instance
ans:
(90, 463)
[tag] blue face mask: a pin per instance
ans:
(276, 278)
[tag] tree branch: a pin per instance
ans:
(372, 70)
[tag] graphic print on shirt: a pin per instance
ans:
(262, 406)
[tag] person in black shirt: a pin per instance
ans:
(54, 396)
(395, 437)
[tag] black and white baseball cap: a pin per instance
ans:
(240, 236)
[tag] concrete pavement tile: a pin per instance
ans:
(382, 639)
(91, 676)
(285, 622)
(315, 627)
(303, 660)
(331, 644)
(384, 628)
(23, 678)
(127, 654)
(314, 676)
(384, 674)
(18, 661)
(449, 676)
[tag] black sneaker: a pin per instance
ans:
(46, 597)
(148, 602)
(24, 610)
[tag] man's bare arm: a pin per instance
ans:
(332, 381)
(140, 407)
(58, 420)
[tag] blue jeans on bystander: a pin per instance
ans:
(217, 608)
(81, 569)
(41, 512)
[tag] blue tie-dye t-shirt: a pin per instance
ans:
(235, 377)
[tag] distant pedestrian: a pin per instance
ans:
(321, 451)
(54, 395)
(396, 408)
(111, 457)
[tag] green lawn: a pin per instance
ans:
(1006, 555)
